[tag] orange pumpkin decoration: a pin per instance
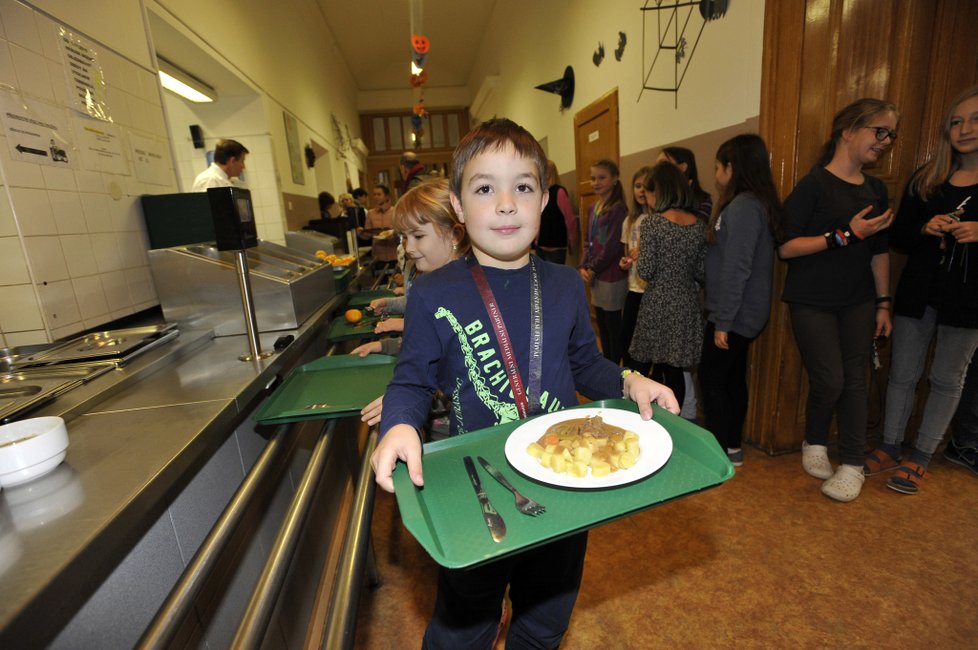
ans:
(419, 110)
(420, 43)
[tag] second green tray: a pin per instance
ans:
(327, 388)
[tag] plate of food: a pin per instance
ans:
(588, 448)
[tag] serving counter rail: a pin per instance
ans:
(170, 485)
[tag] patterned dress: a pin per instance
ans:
(670, 319)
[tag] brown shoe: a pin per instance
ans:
(879, 461)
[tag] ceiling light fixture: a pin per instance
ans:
(177, 81)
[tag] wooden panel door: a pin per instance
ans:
(818, 56)
(595, 138)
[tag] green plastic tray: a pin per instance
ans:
(339, 385)
(363, 298)
(445, 517)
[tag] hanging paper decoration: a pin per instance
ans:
(420, 46)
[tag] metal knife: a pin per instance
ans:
(495, 523)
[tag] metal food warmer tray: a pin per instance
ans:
(197, 286)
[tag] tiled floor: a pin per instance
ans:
(764, 561)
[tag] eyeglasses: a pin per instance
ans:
(882, 133)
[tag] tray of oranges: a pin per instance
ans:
(338, 262)
(354, 324)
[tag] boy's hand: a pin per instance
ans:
(401, 442)
(643, 391)
(378, 305)
(389, 325)
(372, 411)
(373, 347)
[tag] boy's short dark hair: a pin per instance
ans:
(359, 193)
(383, 188)
(228, 149)
(492, 136)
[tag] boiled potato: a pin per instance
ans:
(535, 450)
(600, 468)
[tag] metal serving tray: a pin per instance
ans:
(26, 389)
(117, 344)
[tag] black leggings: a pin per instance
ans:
(609, 330)
(672, 377)
(723, 380)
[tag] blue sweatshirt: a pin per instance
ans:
(449, 344)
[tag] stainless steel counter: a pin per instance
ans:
(136, 434)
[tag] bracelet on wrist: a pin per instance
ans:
(884, 298)
(830, 241)
(624, 374)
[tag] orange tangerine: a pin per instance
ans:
(353, 315)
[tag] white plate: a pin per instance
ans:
(653, 439)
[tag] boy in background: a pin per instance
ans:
(461, 322)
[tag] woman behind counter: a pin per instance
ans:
(837, 288)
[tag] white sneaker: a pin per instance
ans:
(815, 460)
(845, 484)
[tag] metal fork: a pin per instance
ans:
(524, 504)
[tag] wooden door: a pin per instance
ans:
(818, 56)
(595, 138)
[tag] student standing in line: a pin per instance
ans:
(685, 160)
(601, 253)
(433, 236)
(937, 225)
(630, 236)
(558, 224)
(669, 329)
(838, 285)
(465, 321)
(739, 267)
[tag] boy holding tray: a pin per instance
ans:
(505, 335)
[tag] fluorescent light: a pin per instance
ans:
(181, 83)
(415, 69)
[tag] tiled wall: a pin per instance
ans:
(72, 241)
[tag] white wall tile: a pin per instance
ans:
(13, 264)
(90, 297)
(58, 178)
(112, 65)
(58, 304)
(141, 288)
(20, 310)
(116, 290)
(95, 207)
(32, 210)
(30, 337)
(79, 255)
(7, 74)
(32, 72)
(65, 331)
(19, 25)
(46, 259)
(47, 31)
(149, 86)
(89, 181)
(118, 106)
(127, 214)
(67, 210)
(106, 253)
(8, 227)
(19, 174)
(140, 112)
(131, 250)
(59, 84)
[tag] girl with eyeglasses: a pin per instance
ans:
(937, 226)
(837, 287)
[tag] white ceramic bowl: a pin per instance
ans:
(31, 448)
